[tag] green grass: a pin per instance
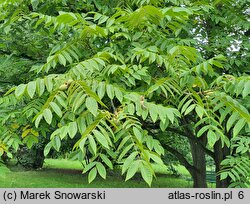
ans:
(62, 164)
(179, 168)
(3, 171)
(67, 174)
(67, 164)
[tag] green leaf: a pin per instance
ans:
(163, 125)
(67, 56)
(246, 89)
(20, 90)
(146, 174)
(62, 102)
(170, 114)
(56, 109)
(38, 119)
(128, 161)
(81, 145)
(131, 108)
(158, 148)
(212, 138)
(101, 90)
(25, 133)
(30, 140)
(123, 142)
(189, 109)
(156, 159)
(92, 105)
(103, 19)
(81, 124)
(34, 3)
(184, 107)
(153, 111)
(1, 152)
(10, 155)
(57, 143)
(92, 143)
(31, 88)
(118, 94)
(78, 101)
(162, 113)
(232, 119)
(223, 175)
(101, 139)
(40, 86)
(48, 83)
(62, 59)
(110, 91)
(106, 134)
(106, 160)
(137, 133)
(125, 151)
(134, 167)
(101, 170)
(144, 114)
(47, 149)
(238, 126)
(110, 22)
(203, 130)
(47, 115)
(199, 110)
(89, 166)
(92, 175)
(217, 64)
(72, 129)
(232, 176)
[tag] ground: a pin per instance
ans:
(68, 174)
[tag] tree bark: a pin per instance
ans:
(199, 163)
(197, 146)
(220, 154)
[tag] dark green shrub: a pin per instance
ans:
(32, 158)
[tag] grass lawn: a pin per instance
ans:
(4, 171)
(67, 174)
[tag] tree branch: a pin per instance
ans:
(180, 157)
(187, 133)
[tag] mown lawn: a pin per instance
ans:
(67, 174)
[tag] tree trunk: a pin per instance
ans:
(220, 154)
(199, 163)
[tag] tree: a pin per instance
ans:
(121, 75)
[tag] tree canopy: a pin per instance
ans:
(127, 81)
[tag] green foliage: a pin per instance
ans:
(16, 73)
(237, 167)
(104, 74)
